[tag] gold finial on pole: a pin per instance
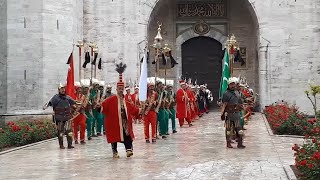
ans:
(232, 45)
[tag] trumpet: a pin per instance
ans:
(148, 105)
(160, 102)
(98, 101)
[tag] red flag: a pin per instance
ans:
(70, 90)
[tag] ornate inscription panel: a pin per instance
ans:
(206, 9)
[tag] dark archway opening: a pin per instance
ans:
(202, 62)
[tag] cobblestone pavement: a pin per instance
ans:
(195, 153)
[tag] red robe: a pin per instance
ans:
(181, 99)
(192, 102)
(135, 99)
(128, 97)
(112, 118)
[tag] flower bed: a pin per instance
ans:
(286, 119)
(23, 132)
(307, 160)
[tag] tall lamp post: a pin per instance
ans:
(232, 46)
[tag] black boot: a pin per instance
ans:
(240, 145)
(229, 144)
(69, 140)
(60, 138)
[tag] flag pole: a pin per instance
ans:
(95, 69)
(80, 45)
(91, 57)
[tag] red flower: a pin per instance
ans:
(310, 166)
(314, 140)
(305, 127)
(316, 155)
(303, 163)
(10, 123)
(295, 147)
(15, 128)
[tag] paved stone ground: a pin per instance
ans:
(193, 153)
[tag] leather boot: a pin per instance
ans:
(240, 145)
(60, 138)
(129, 153)
(69, 139)
(229, 144)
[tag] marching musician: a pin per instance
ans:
(80, 120)
(171, 96)
(150, 115)
(62, 106)
(99, 115)
(162, 116)
(136, 102)
(182, 104)
(128, 96)
(94, 97)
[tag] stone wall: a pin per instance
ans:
(117, 28)
(25, 52)
(40, 36)
(3, 56)
(36, 38)
(289, 48)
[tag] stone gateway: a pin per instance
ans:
(279, 41)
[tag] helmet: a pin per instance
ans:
(233, 80)
(101, 83)
(109, 86)
(61, 86)
(95, 81)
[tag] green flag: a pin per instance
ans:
(225, 75)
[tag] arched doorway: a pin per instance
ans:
(201, 61)
(177, 30)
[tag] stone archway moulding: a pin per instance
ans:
(153, 3)
(189, 34)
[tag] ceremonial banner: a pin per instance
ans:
(70, 89)
(225, 75)
(143, 79)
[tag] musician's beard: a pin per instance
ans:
(62, 93)
(120, 93)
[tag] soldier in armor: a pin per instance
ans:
(80, 120)
(108, 91)
(231, 107)
(62, 106)
(171, 96)
(106, 96)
